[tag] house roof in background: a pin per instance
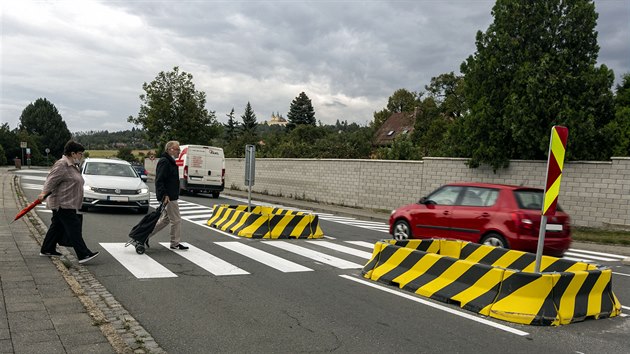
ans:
(396, 125)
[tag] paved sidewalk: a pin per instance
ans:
(39, 312)
(54, 305)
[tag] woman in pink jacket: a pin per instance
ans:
(65, 185)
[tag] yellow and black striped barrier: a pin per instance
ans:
(496, 282)
(265, 222)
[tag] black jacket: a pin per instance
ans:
(167, 178)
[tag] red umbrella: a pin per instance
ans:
(29, 207)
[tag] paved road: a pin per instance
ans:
(239, 295)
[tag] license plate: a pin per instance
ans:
(115, 198)
(554, 227)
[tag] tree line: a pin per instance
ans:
(534, 67)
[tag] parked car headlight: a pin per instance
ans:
(393, 211)
(143, 190)
(87, 187)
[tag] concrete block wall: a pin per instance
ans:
(595, 194)
(354, 183)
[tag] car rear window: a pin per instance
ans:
(530, 199)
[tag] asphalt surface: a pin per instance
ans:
(57, 305)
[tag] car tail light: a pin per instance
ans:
(146, 172)
(223, 174)
(185, 172)
(523, 223)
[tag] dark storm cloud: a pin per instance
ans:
(91, 58)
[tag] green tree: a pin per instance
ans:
(380, 117)
(402, 149)
(231, 128)
(534, 68)
(3, 157)
(249, 120)
(11, 143)
(32, 143)
(301, 111)
(126, 153)
(172, 109)
(249, 134)
(430, 128)
(447, 90)
(42, 120)
(618, 131)
(402, 100)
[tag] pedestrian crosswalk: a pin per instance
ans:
(144, 266)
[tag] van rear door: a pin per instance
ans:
(205, 165)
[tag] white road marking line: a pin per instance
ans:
(207, 261)
(193, 211)
(34, 178)
(199, 216)
(599, 253)
(263, 257)
(583, 260)
(370, 223)
(38, 187)
(21, 172)
(341, 248)
(362, 244)
(192, 207)
(204, 223)
(438, 306)
(589, 256)
(317, 256)
(625, 275)
(140, 265)
(338, 218)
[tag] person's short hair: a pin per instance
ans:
(72, 146)
(170, 144)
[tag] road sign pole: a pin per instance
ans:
(555, 163)
(250, 172)
(541, 242)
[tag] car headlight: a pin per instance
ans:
(86, 187)
(143, 190)
(393, 211)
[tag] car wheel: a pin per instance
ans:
(402, 231)
(143, 210)
(215, 195)
(495, 240)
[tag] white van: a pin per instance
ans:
(201, 169)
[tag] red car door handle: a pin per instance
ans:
(446, 212)
(485, 215)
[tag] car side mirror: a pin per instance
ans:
(426, 201)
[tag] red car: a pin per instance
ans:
(492, 214)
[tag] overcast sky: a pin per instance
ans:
(90, 58)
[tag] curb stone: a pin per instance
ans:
(123, 332)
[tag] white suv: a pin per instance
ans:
(113, 183)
